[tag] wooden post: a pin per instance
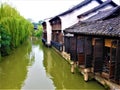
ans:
(86, 76)
(72, 67)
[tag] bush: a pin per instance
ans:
(38, 33)
(5, 41)
(14, 29)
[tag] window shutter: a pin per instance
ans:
(98, 55)
(88, 52)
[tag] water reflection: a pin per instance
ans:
(13, 68)
(59, 71)
(36, 78)
(33, 66)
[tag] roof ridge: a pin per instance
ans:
(81, 4)
(97, 7)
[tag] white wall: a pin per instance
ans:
(71, 18)
(48, 32)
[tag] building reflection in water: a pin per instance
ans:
(59, 71)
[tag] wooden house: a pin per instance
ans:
(57, 36)
(105, 5)
(98, 44)
(68, 18)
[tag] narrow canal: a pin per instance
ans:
(33, 66)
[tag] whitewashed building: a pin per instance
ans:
(67, 19)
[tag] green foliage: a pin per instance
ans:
(16, 28)
(38, 33)
(0, 44)
(5, 41)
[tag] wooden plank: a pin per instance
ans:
(80, 50)
(67, 44)
(81, 59)
(73, 43)
(73, 55)
(88, 52)
(73, 52)
(80, 44)
(98, 55)
(112, 60)
(117, 65)
(112, 70)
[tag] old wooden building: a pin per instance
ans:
(57, 36)
(68, 18)
(91, 37)
(97, 44)
(82, 17)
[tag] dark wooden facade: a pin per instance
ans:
(55, 23)
(111, 65)
(44, 26)
(98, 44)
(44, 36)
(57, 35)
(67, 43)
(56, 30)
(98, 54)
(80, 49)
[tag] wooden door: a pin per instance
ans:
(80, 50)
(98, 55)
(67, 44)
(88, 52)
(112, 59)
(73, 52)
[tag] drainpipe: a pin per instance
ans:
(48, 43)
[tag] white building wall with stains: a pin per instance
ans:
(49, 33)
(71, 18)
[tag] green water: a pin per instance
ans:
(33, 66)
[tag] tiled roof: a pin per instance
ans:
(85, 2)
(104, 14)
(108, 2)
(107, 27)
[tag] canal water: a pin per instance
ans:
(33, 66)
